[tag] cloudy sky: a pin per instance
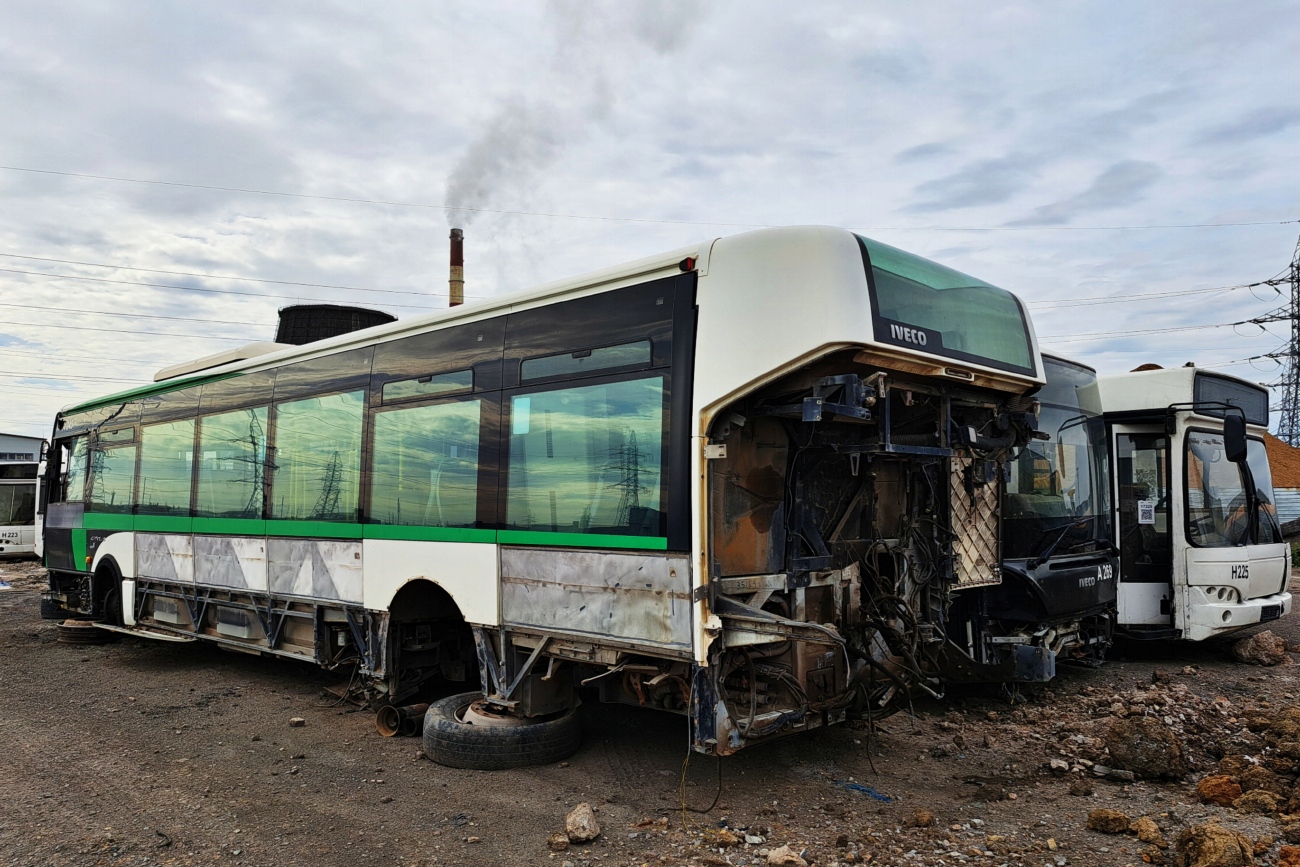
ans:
(175, 172)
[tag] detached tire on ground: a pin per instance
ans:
(450, 741)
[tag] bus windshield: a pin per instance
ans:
(1058, 487)
(17, 505)
(1217, 508)
(923, 305)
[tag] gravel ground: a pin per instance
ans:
(137, 752)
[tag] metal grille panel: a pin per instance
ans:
(975, 521)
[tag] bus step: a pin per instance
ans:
(148, 633)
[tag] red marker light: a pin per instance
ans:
(687, 264)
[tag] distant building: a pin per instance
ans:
(20, 448)
(1284, 462)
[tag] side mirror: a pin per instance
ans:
(1234, 437)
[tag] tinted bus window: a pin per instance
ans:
(318, 458)
(232, 460)
(166, 461)
(587, 459)
(425, 466)
(112, 476)
(923, 305)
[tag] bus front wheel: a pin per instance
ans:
(460, 732)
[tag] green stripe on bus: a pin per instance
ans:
(163, 524)
(230, 526)
(313, 529)
(428, 534)
(107, 521)
(580, 540)
(79, 551)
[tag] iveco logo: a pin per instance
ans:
(908, 335)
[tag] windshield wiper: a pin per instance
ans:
(1035, 562)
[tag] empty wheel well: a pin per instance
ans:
(423, 601)
(428, 637)
(106, 584)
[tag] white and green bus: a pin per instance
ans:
(742, 481)
(1201, 551)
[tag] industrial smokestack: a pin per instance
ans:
(457, 268)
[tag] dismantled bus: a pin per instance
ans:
(18, 462)
(1056, 599)
(748, 482)
(1201, 552)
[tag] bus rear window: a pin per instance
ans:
(921, 305)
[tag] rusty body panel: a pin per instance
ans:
(639, 598)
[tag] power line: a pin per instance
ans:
(1100, 335)
(449, 208)
(62, 377)
(205, 289)
(222, 277)
(58, 355)
(124, 331)
(132, 315)
(1141, 296)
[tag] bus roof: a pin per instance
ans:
(1152, 392)
(794, 290)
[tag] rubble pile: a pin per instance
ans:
(1264, 780)
(1164, 731)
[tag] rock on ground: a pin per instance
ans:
(1147, 747)
(580, 825)
(1212, 845)
(1108, 821)
(784, 856)
(1218, 789)
(920, 818)
(1257, 801)
(1148, 831)
(1262, 648)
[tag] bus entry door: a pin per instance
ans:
(1142, 523)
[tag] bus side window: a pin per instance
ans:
(112, 478)
(232, 464)
(426, 465)
(73, 488)
(166, 463)
(317, 475)
(588, 459)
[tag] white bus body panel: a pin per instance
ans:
(791, 293)
(467, 571)
(120, 546)
(38, 537)
(16, 541)
(1140, 603)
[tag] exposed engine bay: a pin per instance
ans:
(849, 507)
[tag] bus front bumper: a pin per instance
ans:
(1209, 616)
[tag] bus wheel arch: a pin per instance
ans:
(107, 579)
(428, 637)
